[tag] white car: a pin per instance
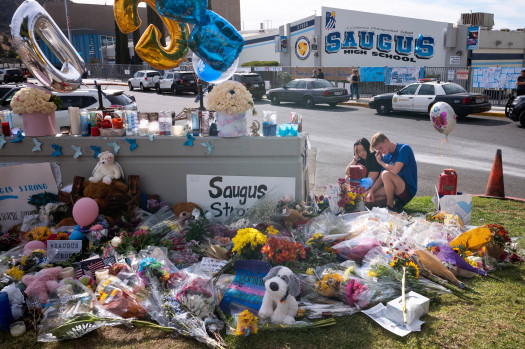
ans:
(144, 80)
(419, 97)
(82, 98)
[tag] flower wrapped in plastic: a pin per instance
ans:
(119, 299)
(197, 295)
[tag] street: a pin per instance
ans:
(470, 149)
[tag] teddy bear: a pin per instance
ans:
(279, 303)
(183, 210)
(107, 169)
(100, 192)
(41, 284)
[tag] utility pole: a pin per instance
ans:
(68, 23)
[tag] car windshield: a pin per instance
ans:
(321, 84)
(251, 78)
(120, 99)
(451, 89)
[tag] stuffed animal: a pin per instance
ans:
(100, 192)
(41, 284)
(107, 169)
(183, 210)
(291, 216)
(279, 303)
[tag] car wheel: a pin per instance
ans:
(383, 108)
(159, 91)
(275, 100)
(130, 86)
(309, 102)
(142, 88)
(332, 104)
(507, 106)
(522, 119)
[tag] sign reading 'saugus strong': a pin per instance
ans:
(368, 39)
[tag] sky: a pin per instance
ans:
(507, 14)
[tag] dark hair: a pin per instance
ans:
(365, 143)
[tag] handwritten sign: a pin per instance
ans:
(212, 264)
(333, 193)
(62, 250)
(18, 183)
(225, 195)
(247, 289)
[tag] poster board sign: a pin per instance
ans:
(18, 184)
(495, 77)
(451, 75)
(226, 195)
(472, 38)
(62, 250)
(333, 193)
(247, 289)
(371, 74)
(403, 75)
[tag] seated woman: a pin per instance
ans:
(363, 156)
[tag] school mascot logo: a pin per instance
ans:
(330, 20)
(302, 48)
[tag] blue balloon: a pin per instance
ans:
(187, 11)
(367, 182)
(216, 42)
(76, 234)
(208, 74)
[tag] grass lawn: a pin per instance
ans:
(496, 319)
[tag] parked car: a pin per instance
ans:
(419, 97)
(82, 98)
(253, 83)
(310, 92)
(177, 82)
(12, 75)
(515, 109)
(144, 80)
(5, 89)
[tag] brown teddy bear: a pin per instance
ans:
(183, 210)
(100, 192)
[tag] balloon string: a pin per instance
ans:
(448, 150)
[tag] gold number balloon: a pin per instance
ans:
(30, 20)
(149, 47)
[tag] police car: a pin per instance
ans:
(419, 97)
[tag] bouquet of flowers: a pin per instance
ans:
(230, 97)
(248, 243)
(32, 99)
(283, 252)
(197, 297)
(350, 196)
(500, 236)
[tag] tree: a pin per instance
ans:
(121, 47)
(136, 38)
(154, 19)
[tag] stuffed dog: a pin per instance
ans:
(279, 303)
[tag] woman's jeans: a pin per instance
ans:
(354, 89)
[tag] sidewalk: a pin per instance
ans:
(494, 111)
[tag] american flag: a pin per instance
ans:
(93, 267)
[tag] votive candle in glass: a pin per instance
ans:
(17, 328)
(67, 272)
(101, 275)
(177, 130)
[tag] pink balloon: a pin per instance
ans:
(85, 211)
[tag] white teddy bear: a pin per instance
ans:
(107, 169)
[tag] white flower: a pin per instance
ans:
(29, 100)
(115, 242)
(230, 97)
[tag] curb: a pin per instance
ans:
(488, 113)
(499, 198)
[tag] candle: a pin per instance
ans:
(153, 128)
(101, 275)
(67, 272)
(17, 328)
(118, 123)
(6, 131)
(177, 130)
(66, 290)
(74, 120)
(143, 127)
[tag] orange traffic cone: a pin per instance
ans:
(495, 185)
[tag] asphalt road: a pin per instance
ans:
(470, 149)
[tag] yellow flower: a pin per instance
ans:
(247, 236)
(349, 270)
(15, 273)
(318, 236)
(272, 230)
(310, 271)
(413, 265)
(372, 274)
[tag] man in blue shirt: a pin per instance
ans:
(398, 180)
